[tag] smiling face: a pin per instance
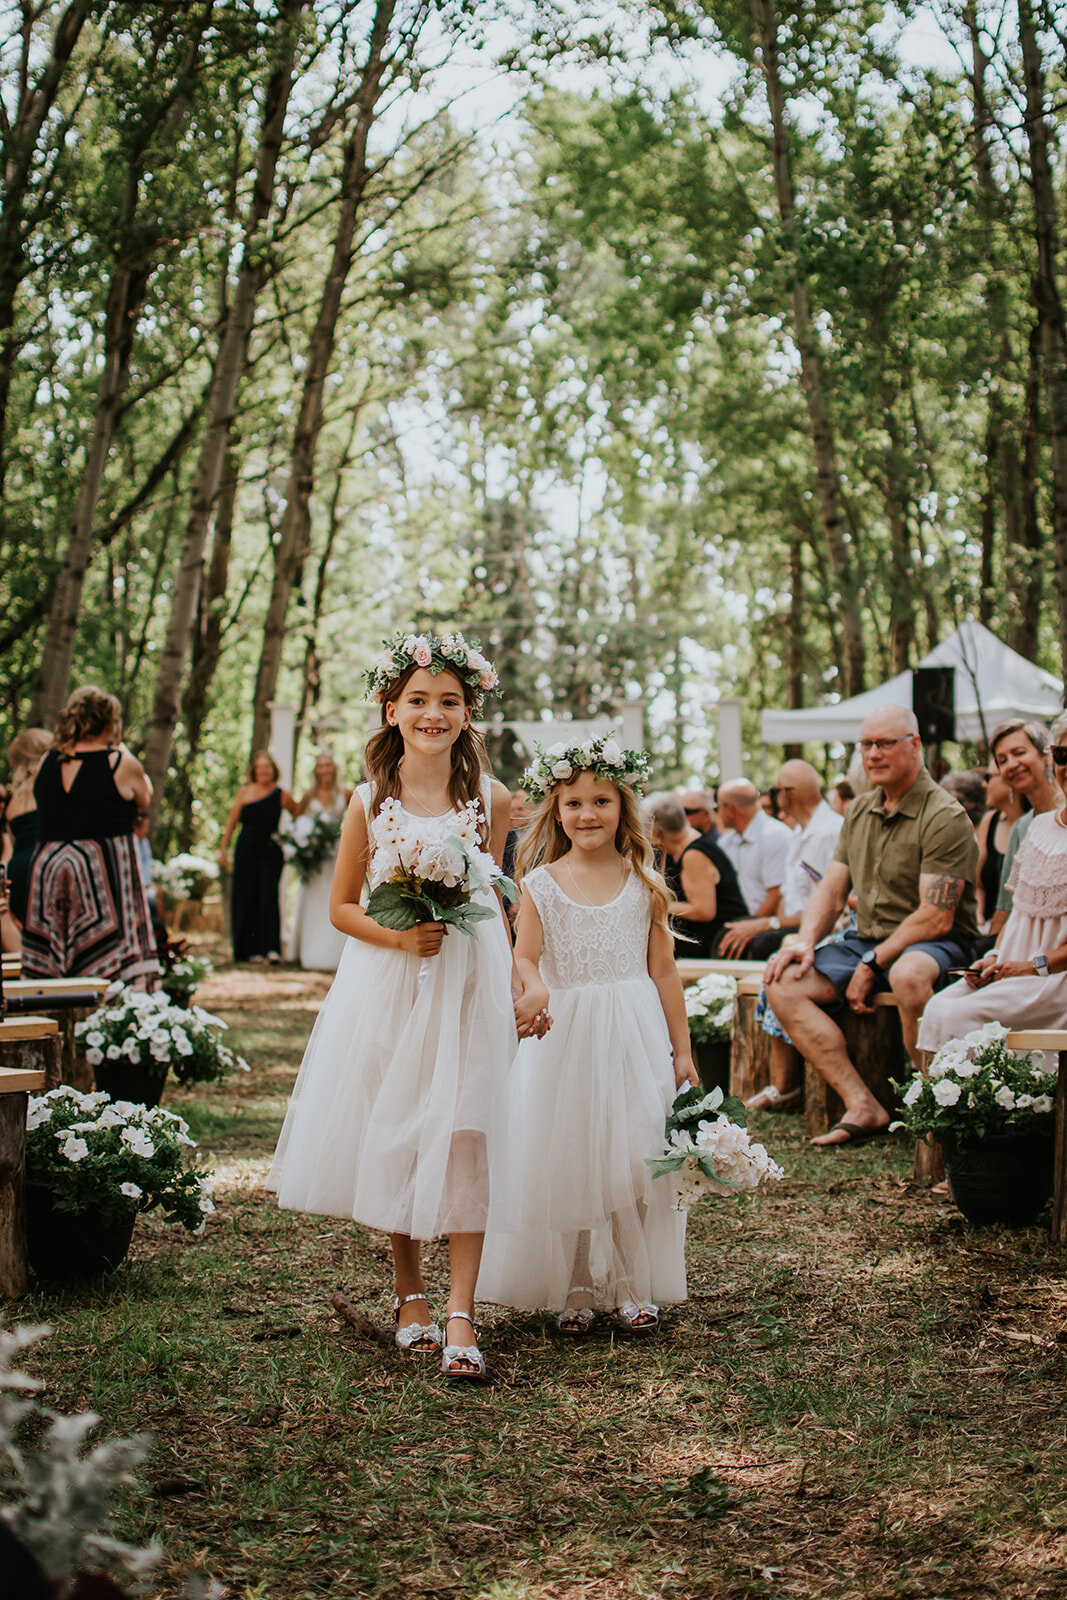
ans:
(263, 772)
(1020, 762)
(893, 754)
(589, 811)
(326, 772)
(430, 711)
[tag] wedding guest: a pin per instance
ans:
(757, 844)
(699, 876)
(910, 852)
(86, 910)
(316, 942)
(699, 807)
(969, 789)
(1005, 809)
(255, 913)
(1020, 751)
(25, 754)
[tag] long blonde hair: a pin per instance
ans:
(545, 841)
(26, 752)
(385, 751)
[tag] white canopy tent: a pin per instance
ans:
(993, 683)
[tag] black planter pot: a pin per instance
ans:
(1003, 1179)
(131, 1080)
(712, 1058)
(62, 1244)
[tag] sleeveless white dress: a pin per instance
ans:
(316, 942)
(397, 1116)
(591, 1099)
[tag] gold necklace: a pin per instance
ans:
(596, 905)
(426, 811)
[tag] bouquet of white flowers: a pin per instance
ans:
(309, 841)
(114, 1157)
(185, 876)
(977, 1089)
(415, 878)
(708, 1149)
(709, 1005)
(147, 1030)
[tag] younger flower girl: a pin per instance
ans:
(597, 1233)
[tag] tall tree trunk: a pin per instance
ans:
(295, 534)
(1047, 299)
(229, 366)
(1026, 568)
(820, 427)
(19, 155)
(136, 246)
(794, 641)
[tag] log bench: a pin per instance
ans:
(28, 1048)
(691, 970)
(876, 1049)
(67, 1001)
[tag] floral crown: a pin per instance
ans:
(448, 652)
(602, 756)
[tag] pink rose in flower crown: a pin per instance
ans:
(421, 653)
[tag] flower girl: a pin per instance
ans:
(596, 1232)
(396, 1116)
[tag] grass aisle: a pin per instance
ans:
(863, 1397)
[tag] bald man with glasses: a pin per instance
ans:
(908, 851)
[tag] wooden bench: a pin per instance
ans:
(28, 1049)
(52, 997)
(876, 1049)
(690, 970)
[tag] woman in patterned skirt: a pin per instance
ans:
(86, 910)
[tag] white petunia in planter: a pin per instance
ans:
(135, 1039)
(709, 1006)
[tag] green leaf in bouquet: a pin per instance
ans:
(463, 918)
(392, 907)
(734, 1108)
(507, 886)
(706, 1163)
(663, 1165)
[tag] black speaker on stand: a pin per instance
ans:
(933, 699)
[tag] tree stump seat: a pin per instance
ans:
(28, 1049)
(875, 1047)
(67, 1001)
(750, 1047)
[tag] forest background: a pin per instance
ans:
(673, 350)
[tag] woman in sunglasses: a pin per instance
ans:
(1024, 981)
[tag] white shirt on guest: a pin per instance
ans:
(760, 856)
(813, 843)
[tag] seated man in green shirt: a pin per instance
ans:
(909, 852)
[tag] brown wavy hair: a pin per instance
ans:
(545, 840)
(88, 713)
(26, 752)
(263, 755)
(385, 751)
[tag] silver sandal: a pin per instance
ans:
(574, 1322)
(453, 1354)
(637, 1316)
(417, 1338)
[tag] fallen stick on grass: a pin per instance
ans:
(355, 1319)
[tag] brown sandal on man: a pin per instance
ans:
(854, 1135)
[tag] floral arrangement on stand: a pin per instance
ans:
(709, 1005)
(114, 1158)
(708, 1150)
(183, 974)
(424, 879)
(977, 1089)
(309, 841)
(146, 1030)
(185, 876)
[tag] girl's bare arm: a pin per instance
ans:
(532, 1000)
(346, 913)
(664, 974)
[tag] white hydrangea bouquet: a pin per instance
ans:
(708, 1149)
(709, 1005)
(419, 877)
(309, 841)
(146, 1029)
(185, 876)
(114, 1157)
(977, 1089)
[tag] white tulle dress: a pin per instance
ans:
(397, 1119)
(591, 1101)
(1038, 923)
(316, 943)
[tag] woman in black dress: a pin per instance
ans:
(255, 913)
(704, 885)
(86, 910)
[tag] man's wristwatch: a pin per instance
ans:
(870, 960)
(774, 922)
(1040, 962)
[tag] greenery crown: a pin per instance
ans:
(448, 652)
(603, 757)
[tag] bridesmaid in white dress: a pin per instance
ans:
(1023, 984)
(317, 943)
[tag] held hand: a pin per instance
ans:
(801, 954)
(685, 1072)
(1011, 969)
(424, 939)
(859, 996)
(531, 1012)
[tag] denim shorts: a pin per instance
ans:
(839, 959)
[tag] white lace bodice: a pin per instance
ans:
(1038, 876)
(591, 944)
